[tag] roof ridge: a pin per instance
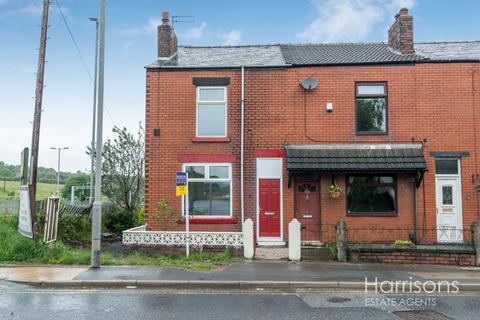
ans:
(331, 43)
(319, 44)
(438, 42)
(231, 46)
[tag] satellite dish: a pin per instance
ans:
(309, 83)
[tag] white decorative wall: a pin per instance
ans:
(139, 236)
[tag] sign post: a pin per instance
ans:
(181, 189)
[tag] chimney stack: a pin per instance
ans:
(400, 34)
(167, 40)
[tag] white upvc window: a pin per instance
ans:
(211, 112)
(209, 189)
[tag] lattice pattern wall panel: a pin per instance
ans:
(171, 238)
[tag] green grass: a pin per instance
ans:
(12, 190)
(16, 249)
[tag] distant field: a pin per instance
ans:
(12, 190)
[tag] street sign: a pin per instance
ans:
(24, 214)
(181, 185)
(51, 222)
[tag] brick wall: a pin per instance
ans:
(412, 256)
(426, 102)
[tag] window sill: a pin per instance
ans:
(372, 214)
(213, 220)
(201, 139)
(372, 133)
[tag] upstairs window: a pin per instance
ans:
(371, 108)
(212, 112)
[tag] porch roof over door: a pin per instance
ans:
(355, 158)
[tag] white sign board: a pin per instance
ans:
(24, 214)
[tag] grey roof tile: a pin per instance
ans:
(225, 56)
(316, 54)
(355, 157)
(343, 53)
(449, 51)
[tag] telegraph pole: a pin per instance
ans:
(97, 204)
(94, 122)
(32, 183)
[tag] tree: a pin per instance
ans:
(123, 168)
(77, 179)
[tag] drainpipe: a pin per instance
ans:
(242, 125)
(415, 211)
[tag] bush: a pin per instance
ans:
(333, 251)
(139, 217)
(72, 229)
(118, 220)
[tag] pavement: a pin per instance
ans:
(239, 275)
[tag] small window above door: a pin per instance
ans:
(446, 166)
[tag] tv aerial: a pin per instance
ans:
(182, 19)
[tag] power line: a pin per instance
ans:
(74, 41)
(79, 52)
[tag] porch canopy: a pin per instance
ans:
(358, 158)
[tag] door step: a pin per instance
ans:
(271, 253)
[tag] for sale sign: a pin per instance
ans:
(181, 185)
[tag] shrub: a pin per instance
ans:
(403, 243)
(333, 250)
(72, 229)
(118, 220)
(139, 217)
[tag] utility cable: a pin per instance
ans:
(79, 52)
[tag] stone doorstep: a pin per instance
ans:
(271, 253)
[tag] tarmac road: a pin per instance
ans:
(24, 302)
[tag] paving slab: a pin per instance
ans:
(289, 271)
(40, 273)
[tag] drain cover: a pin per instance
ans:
(421, 315)
(338, 300)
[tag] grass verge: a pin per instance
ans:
(16, 249)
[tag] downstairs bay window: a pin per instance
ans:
(371, 195)
(209, 189)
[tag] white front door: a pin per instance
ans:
(449, 212)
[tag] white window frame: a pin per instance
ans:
(207, 178)
(219, 102)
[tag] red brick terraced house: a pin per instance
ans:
(381, 135)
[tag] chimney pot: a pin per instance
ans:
(403, 11)
(165, 17)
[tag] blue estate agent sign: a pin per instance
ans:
(181, 185)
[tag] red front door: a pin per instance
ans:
(269, 204)
(307, 209)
